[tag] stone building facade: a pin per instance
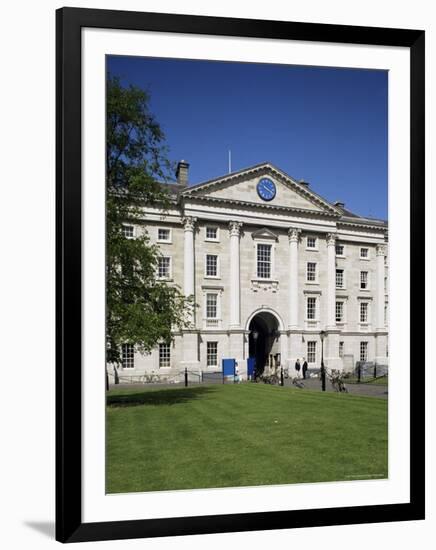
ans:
(273, 267)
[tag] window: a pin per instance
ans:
(364, 351)
(311, 352)
(341, 349)
(164, 265)
(212, 354)
(339, 250)
(264, 261)
(311, 271)
(211, 265)
(311, 242)
(127, 231)
(311, 308)
(127, 356)
(164, 355)
(339, 278)
(211, 306)
(163, 235)
(364, 253)
(339, 312)
(363, 312)
(211, 233)
(364, 280)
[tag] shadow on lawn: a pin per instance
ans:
(158, 397)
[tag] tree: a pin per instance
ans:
(140, 309)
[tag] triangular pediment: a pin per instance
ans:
(264, 233)
(244, 187)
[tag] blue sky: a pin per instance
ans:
(327, 126)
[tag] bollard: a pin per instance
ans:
(282, 379)
(358, 374)
(375, 370)
(186, 377)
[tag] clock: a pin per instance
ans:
(266, 189)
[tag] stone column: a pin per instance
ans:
(189, 259)
(190, 335)
(294, 345)
(381, 332)
(294, 237)
(331, 346)
(331, 281)
(380, 290)
(235, 283)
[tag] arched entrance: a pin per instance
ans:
(264, 342)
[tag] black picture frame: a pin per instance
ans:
(69, 525)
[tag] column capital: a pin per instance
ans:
(189, 223)
(235, 228)
(381, 250)
(331, 239)
(294, 234)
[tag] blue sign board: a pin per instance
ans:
(229, 367)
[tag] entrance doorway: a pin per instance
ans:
(263, 342)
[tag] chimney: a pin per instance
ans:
(182, 173)
(339, 204)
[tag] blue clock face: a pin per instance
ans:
(266, 189)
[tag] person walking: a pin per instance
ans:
(297, 367)
(304, 368)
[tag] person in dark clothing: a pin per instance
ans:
(297, 368)
(304, 368)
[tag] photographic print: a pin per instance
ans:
(239, 221)
(247, 274)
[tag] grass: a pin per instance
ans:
(241, 435)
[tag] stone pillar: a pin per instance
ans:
(332, 359)
(235, 282)
(189, 259)
(380, 289)
(294, 237)
(190, 336)
(381, 332)
(331, 281)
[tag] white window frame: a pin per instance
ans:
(272, 257)
(342, 321)
(315, 281)
(218, 270)
(368, 286)
(126, 226)
(170, 268)
(343, 278)
(210, 239)
(343, 250)
(361, 348)
(170, 235)
(315, 248)
(365, 258)
(218, 305)
(368, 313)
(315, 351)
(166, 366)
(129, 359)
(214, 365)
(316, 317)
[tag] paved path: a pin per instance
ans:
(369, 390)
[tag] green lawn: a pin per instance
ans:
(240, 435)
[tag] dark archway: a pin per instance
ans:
(263, 339)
